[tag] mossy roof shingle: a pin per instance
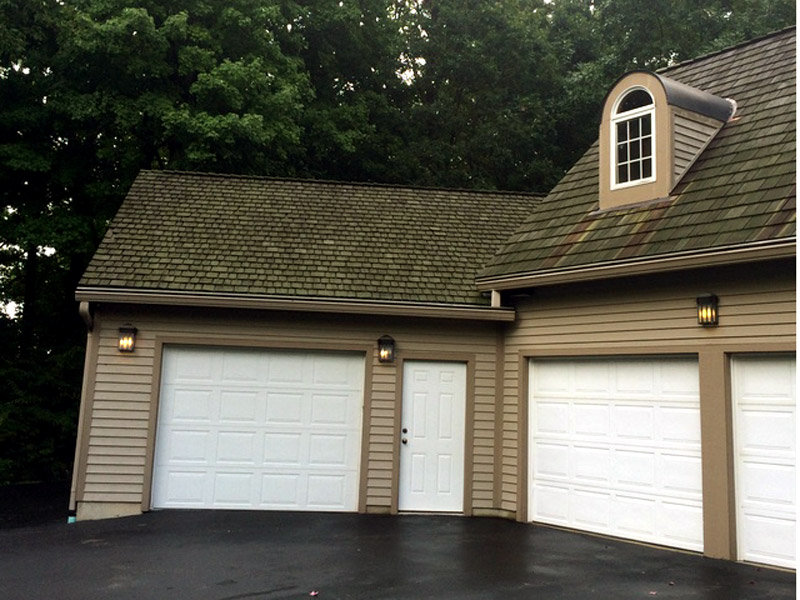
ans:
(740, 190)
(195, 232)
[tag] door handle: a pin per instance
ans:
(404, 440)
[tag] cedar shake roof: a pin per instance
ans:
(741, 189)
(193, 232)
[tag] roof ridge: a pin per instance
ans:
(741, 44)
(335, 182)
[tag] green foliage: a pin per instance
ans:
(493, 94)
(479, 117)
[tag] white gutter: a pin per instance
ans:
(730, 255)
(290, 303)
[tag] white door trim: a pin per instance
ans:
(431, 474)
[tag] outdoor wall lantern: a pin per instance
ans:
(127, 338)
(707, 314)
(386, 349)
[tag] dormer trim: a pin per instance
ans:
(697, 101)
(683, 122)
(631, 131)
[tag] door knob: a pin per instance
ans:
(404, 440)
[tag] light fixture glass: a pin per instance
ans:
(127, 339)
(386, 349)
(707, 310)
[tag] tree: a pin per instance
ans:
(355, 125)
(40, 362)
(482, 77)
(92, 91)
(439, 92)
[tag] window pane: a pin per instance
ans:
(622, 131)
(647, 168)
(646, 125)
(646, 142)
(635, 150)
(634, 99)
(635, 172)
(622, 174)
(634, 128)
(622, 152)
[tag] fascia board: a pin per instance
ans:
(287, 303)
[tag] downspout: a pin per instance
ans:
(85, 310)
(496, 299)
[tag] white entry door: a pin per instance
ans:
(764, 394)
(258, 429)
(432, 443)
(615, 448)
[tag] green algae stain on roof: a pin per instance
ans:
(194, 232)
(740, 190)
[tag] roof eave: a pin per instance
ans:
(292, 303)
(727, 255)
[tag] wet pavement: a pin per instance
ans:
(230, 555)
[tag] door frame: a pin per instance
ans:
(607, 357)
(469, 421)
(732, 359)
(244, 344)
(719, 503)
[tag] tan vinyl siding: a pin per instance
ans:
(647, 314)
(691, 133)
(125, 391)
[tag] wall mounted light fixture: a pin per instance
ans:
(386, 349)
(127, 338)
(707, 310)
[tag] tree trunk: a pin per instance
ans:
(29, 300)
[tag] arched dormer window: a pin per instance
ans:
(632, 144)
(652, 130)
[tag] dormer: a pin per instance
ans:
(652, 130)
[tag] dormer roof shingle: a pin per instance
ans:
(739, 192)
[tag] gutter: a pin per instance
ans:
(291, 303)
(693, 259)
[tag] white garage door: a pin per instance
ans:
(615, 448)
(258, 429)
(764, 393)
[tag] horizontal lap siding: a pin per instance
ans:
(118, 423)
(692, 133)
(756, 305)
(123, 387)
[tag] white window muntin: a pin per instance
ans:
(627, 117)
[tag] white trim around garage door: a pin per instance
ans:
(614, 447)
(258, 429)
(764, 389)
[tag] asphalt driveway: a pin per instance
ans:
(228, 555)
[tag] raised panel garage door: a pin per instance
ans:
(258, 429)
(764, 399)
(614, 448)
